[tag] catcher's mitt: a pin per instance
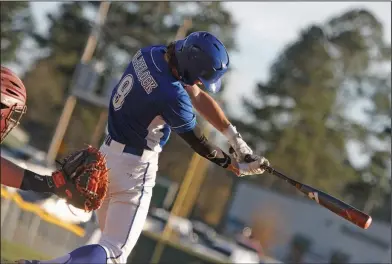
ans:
(82, 179)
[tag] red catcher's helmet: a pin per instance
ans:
(13, 101)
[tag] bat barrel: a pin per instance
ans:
(337, 206)
(333, 204)
(356, 217)
(349, 213)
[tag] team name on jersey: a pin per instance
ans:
(143, 74)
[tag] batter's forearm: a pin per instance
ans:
(211, 152)
(211, 111)
(206, 149)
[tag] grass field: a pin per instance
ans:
(11, 252)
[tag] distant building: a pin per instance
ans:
(306, 232)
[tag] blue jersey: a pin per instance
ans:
(148, 102)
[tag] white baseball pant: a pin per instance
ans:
(124, 210)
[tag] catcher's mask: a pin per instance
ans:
(13, 101)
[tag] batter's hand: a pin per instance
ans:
(241, 149)
(252, 165)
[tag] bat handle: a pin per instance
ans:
(231, 150)
(247, 158)
(250, 158)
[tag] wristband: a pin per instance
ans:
(37, 183)
(231, 132)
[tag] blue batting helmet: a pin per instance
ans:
(201, 56)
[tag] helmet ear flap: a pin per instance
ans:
(185, 75)
(194, 50)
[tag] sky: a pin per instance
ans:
(264, 28)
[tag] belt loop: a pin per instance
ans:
(114, 145)
(108, 139)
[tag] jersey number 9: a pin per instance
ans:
(123, 90)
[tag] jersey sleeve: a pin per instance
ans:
(178, 113)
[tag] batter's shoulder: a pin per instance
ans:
(175, 89)
(153, 47)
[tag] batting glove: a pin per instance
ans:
(241, 149)
(252, 165)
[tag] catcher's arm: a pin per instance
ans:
(16, 177)
(82, 179)
(11, 174)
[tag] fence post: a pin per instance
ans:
(33, 229)
(5, 205)
(12, 222)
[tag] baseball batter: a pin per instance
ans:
(156, 95)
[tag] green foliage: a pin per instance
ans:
(299, 117)
(16, 24)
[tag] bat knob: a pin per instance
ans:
(231, 150)
(249, 158)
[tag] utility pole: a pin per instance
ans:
(178, 204)
(71, 100)
(181, 33)
(198, 178)
(99, 128)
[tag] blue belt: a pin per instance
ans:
(127, 149)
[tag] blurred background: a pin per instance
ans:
(309, 88)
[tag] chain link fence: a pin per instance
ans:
(28, 225)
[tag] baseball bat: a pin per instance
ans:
(333, 204)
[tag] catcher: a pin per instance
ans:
(82, 178)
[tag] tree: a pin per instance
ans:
(368, 79)
(299, 116)
(16, 24)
